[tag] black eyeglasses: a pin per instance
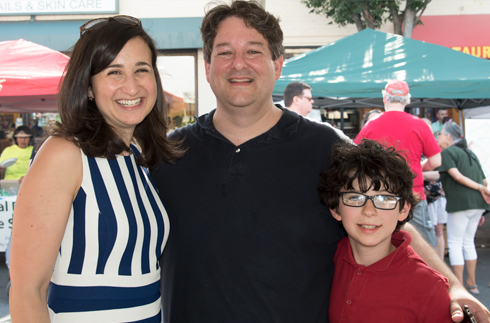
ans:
(382, 202)
(309, 98)
(95, 24)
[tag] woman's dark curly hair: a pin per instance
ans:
(374, 167)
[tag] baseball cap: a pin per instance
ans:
(397, 88)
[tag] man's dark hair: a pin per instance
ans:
(374, 166)
(253, 15)
(441, 109)
(294, 89)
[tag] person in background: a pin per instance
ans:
(411, 135)
(36, 129)
(251, 240)
(468, 197)
(373, 114)
(21, 150)
(10, 135)
(436, 201)
(298, 98)
(378, 277)
(441, 114)
(87, 216)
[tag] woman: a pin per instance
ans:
(467, 198)
(372, 114)
(87, 216)
(21, 150)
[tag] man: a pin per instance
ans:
(250, 240)
(298, 98)
(441, 114)
(411, 135)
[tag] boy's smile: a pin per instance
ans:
(369, 228)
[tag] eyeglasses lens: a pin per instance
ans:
(383, 202)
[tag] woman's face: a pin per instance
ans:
(22, 142)
(443, 140)
(125, 92)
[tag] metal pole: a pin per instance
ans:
(342, 118)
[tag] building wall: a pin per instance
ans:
(301, 28)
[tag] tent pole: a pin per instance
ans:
(342, 118)
(461, 120)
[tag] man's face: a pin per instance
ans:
(305, 102)
(241, 73)
(441, 114)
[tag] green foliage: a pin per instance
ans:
(366, 13)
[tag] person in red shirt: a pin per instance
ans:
(410, 135)
(378, 277)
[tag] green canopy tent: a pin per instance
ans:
(352, 72)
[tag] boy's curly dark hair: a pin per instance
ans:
(374, 166)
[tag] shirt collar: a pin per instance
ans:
(284, 128)
(401, 240)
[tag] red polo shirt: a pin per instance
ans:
(398, 288)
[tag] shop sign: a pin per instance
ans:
(57, 7)
(478, 51)
(6, 214)
(465, 33)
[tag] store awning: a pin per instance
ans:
(61, 35)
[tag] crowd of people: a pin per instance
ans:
(279, 227)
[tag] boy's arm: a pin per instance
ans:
(459, 295)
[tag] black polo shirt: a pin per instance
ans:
(250, 240)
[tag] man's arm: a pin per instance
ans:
(459, 295)
(431, 176)
(431, 162)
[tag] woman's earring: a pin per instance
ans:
(90, 98)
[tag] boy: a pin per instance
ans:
(378, 277)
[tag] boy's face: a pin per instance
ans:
(369, 228)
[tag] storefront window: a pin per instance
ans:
(178, 74)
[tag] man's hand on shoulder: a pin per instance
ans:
(460, 297)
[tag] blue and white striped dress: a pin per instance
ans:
(107, 268)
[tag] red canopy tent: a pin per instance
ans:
(32, 73)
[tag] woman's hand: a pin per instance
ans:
(485, 192)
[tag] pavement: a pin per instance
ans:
(482, 241)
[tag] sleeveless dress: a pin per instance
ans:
(107, 268)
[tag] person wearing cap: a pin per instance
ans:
(409, 134)
(21, 150)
